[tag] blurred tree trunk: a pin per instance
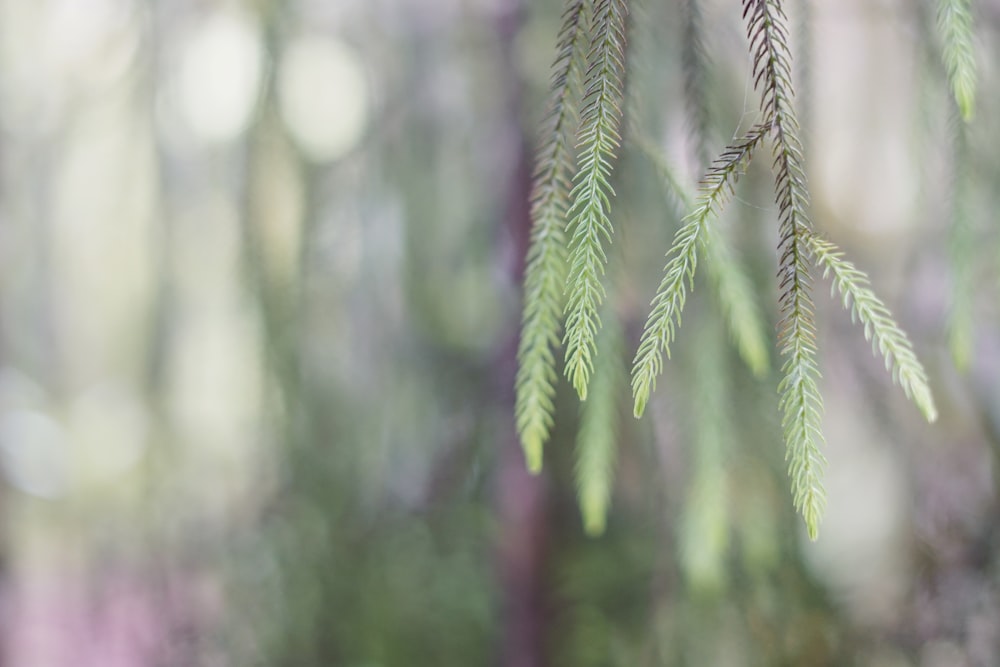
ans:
(522, 505)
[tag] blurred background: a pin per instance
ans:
(259, 305)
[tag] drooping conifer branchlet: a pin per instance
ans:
(880, 328)
(572, 228)
(596, 449)
(679, 272)
(676, 193)
(694, 61)
(590, 225)
(804, 33)
(962, 239)
(545, 272)
(703, 538)
(732, 287)
(737, 301)
(955, 25)
(800, 401)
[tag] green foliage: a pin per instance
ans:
(694, 61)
(585, 208)
(596, 443)
(734, 292)
(683, 259)
(731, 285)
(962, 251)
(955, 24)
(545, 273)
(801, 406)
(800, 401)
(804, 45)
(589, 224)
(704, 529)
(880, 328)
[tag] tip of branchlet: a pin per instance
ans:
(966, 105)
(640, 406)
(533, 455)
(594, 526)
(595, 515)
(925, 403)
(930, 412)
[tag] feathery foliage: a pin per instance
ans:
(734, 292)
(676, 194)
(595, 442)
(731, 285)
(704, 529)
(679, 272)
(545, 272)
(880, 328)
(955, 25)
(694, 61)
(589, 225)
(572, 226)
(962, 251)
(643, 33)
(803, 62)
(800, 401)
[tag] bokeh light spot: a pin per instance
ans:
(34, 454)
(219, 76)
(323, 96)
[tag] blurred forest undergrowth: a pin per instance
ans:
(260, 277)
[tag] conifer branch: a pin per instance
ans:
(589, 226)
(545, 273)
(704, 526)
(669, 301)
(677, 195)
(694, 62)
(955, 25)
(596, 444)
(642, 33)
(800, 400)
(803, 61)
(732, 286)
(962, 251)
(738, 303)
(801, 406)
(880, 328)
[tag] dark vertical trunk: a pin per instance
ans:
(521, 500)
